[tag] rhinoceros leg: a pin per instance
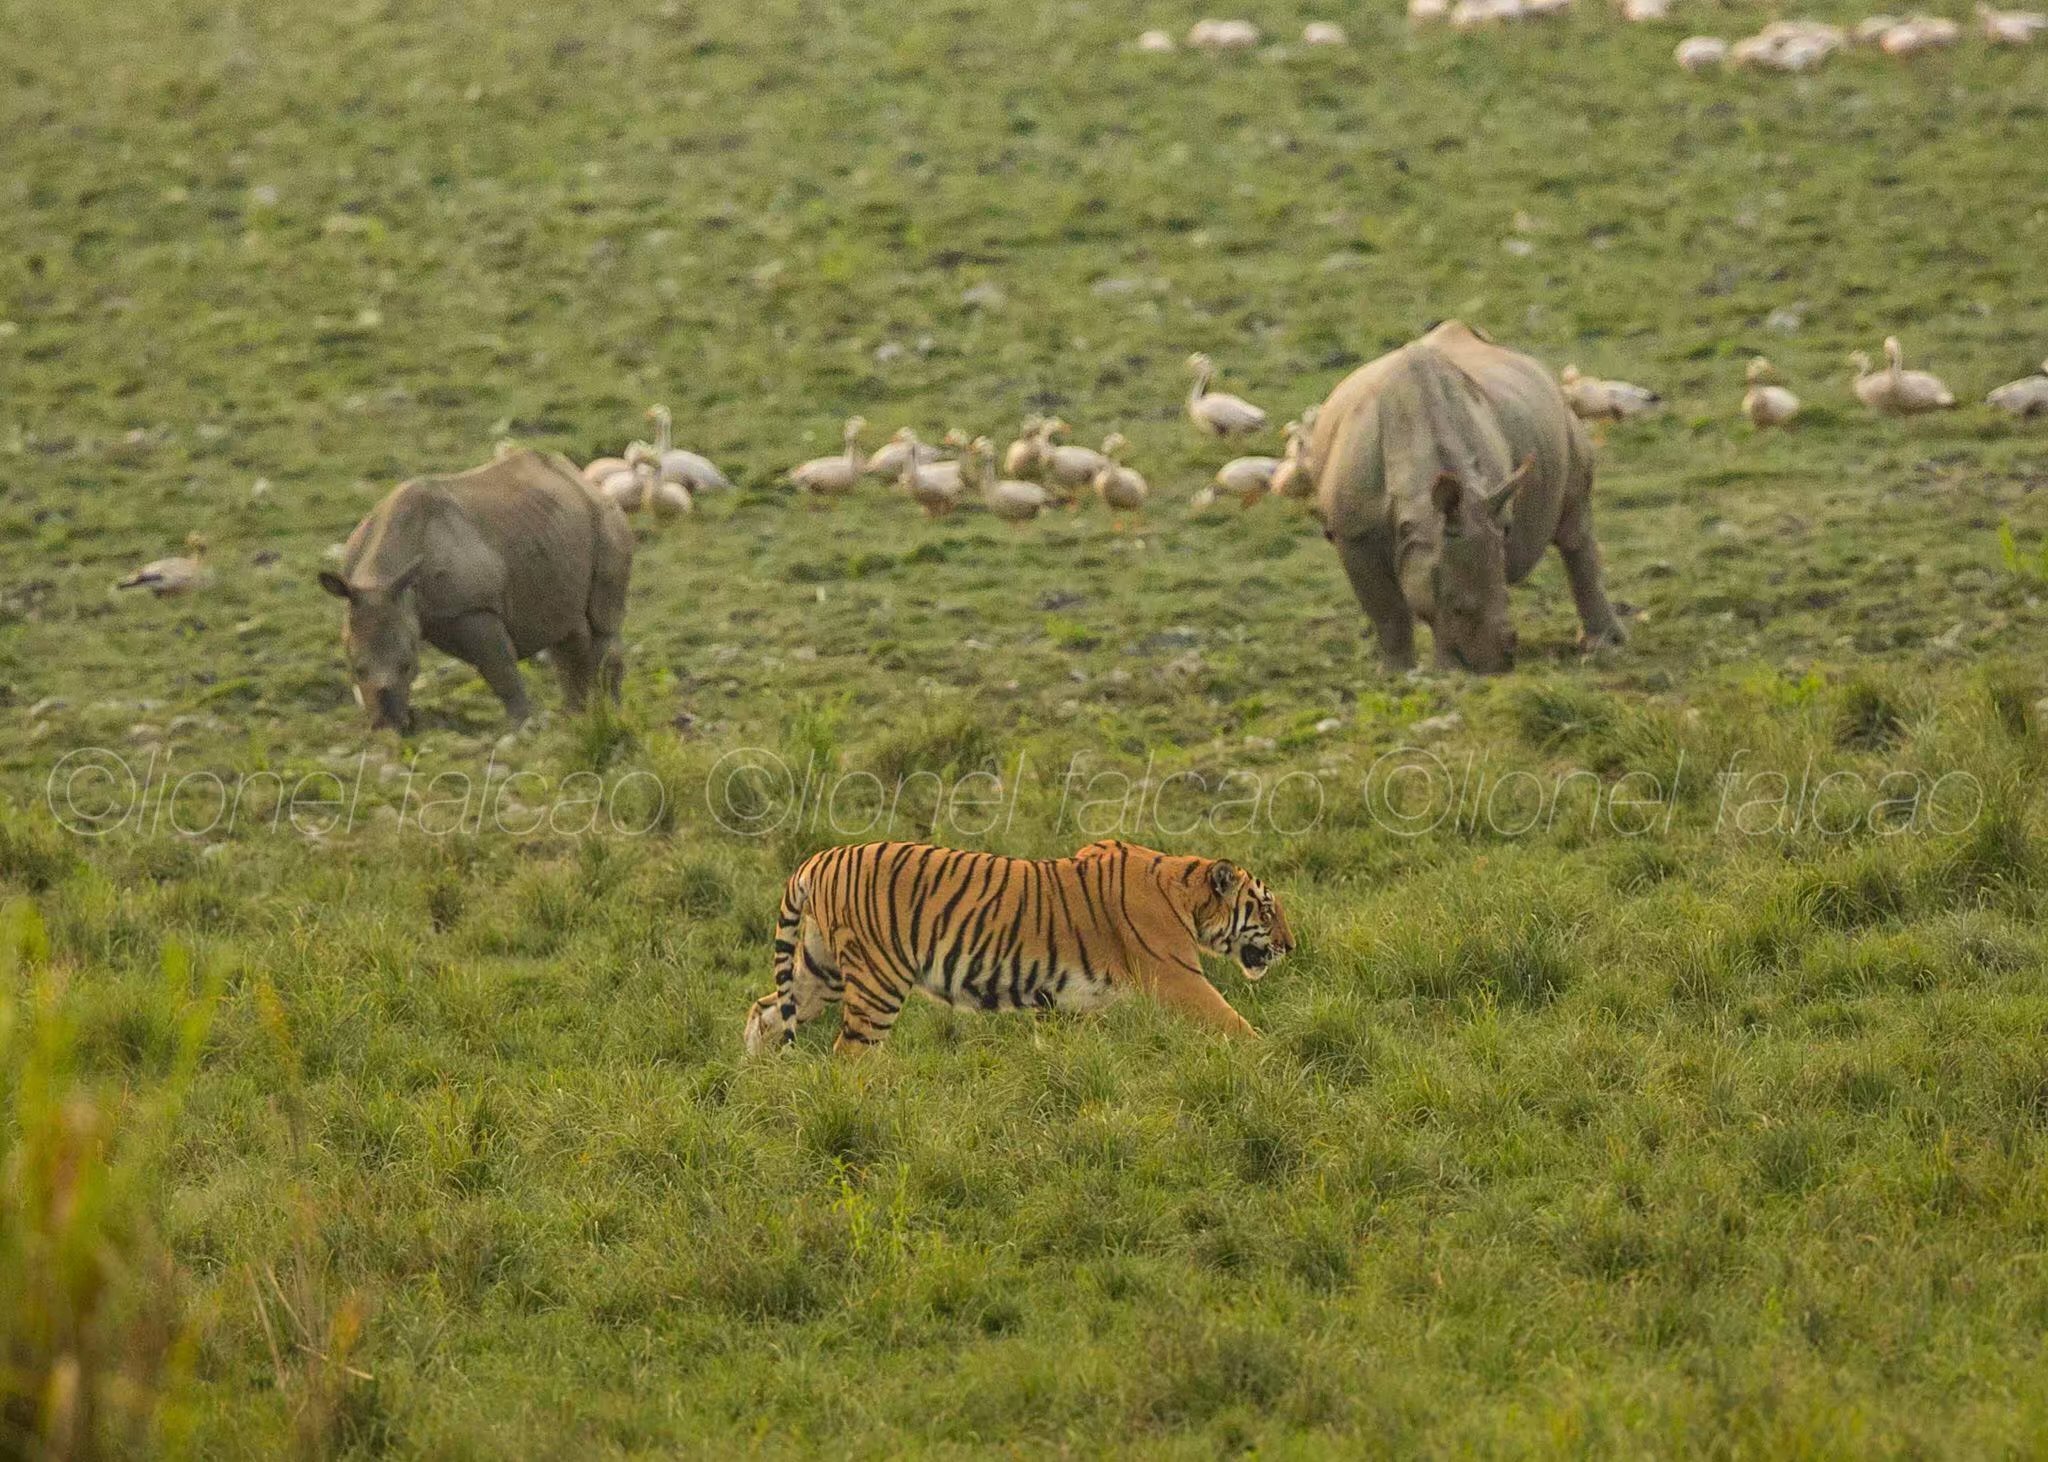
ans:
(1598, 625)
(575, 662)
(1379, 594)
(607, 613)
(479, 639)
(1597, 622)
(609, 652)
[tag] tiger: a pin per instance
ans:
(863, 926)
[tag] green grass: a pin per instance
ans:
(1716, 1126)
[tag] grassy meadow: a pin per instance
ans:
(1662, 1068)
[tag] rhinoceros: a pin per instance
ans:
(1442, 471)
(490, 566)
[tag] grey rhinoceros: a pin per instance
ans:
(1442, 471)
(490, 566)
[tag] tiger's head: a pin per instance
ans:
(1241, 920)
(1231, 913)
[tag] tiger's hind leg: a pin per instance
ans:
(872, 1003)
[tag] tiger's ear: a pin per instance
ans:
(1224, 877)
(1100, 848)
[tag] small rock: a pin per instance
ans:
(804, 653)
(184, 723)
(1784, 322)
(259, 489)
(1328, 724)
(213, 850)
(1952, 638)
(1185, 667)
(143, 731)
(1520, 248)
(1259, 743)
(1442, 725)
(988, 295)
(264, 195)
(49, 705)
(888, 351)
(1156, 43)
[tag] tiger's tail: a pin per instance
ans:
(772, 1020)
(789, 933)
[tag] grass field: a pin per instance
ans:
(1620, 1098)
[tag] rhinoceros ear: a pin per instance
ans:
(334, 583)
(1502, 498)
(1448, 496)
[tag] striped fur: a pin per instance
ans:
(863, 927)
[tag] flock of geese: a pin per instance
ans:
(1237, 35)
(1040, 469)
(1801, 45)
(1890, 391)
(1785, 45)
